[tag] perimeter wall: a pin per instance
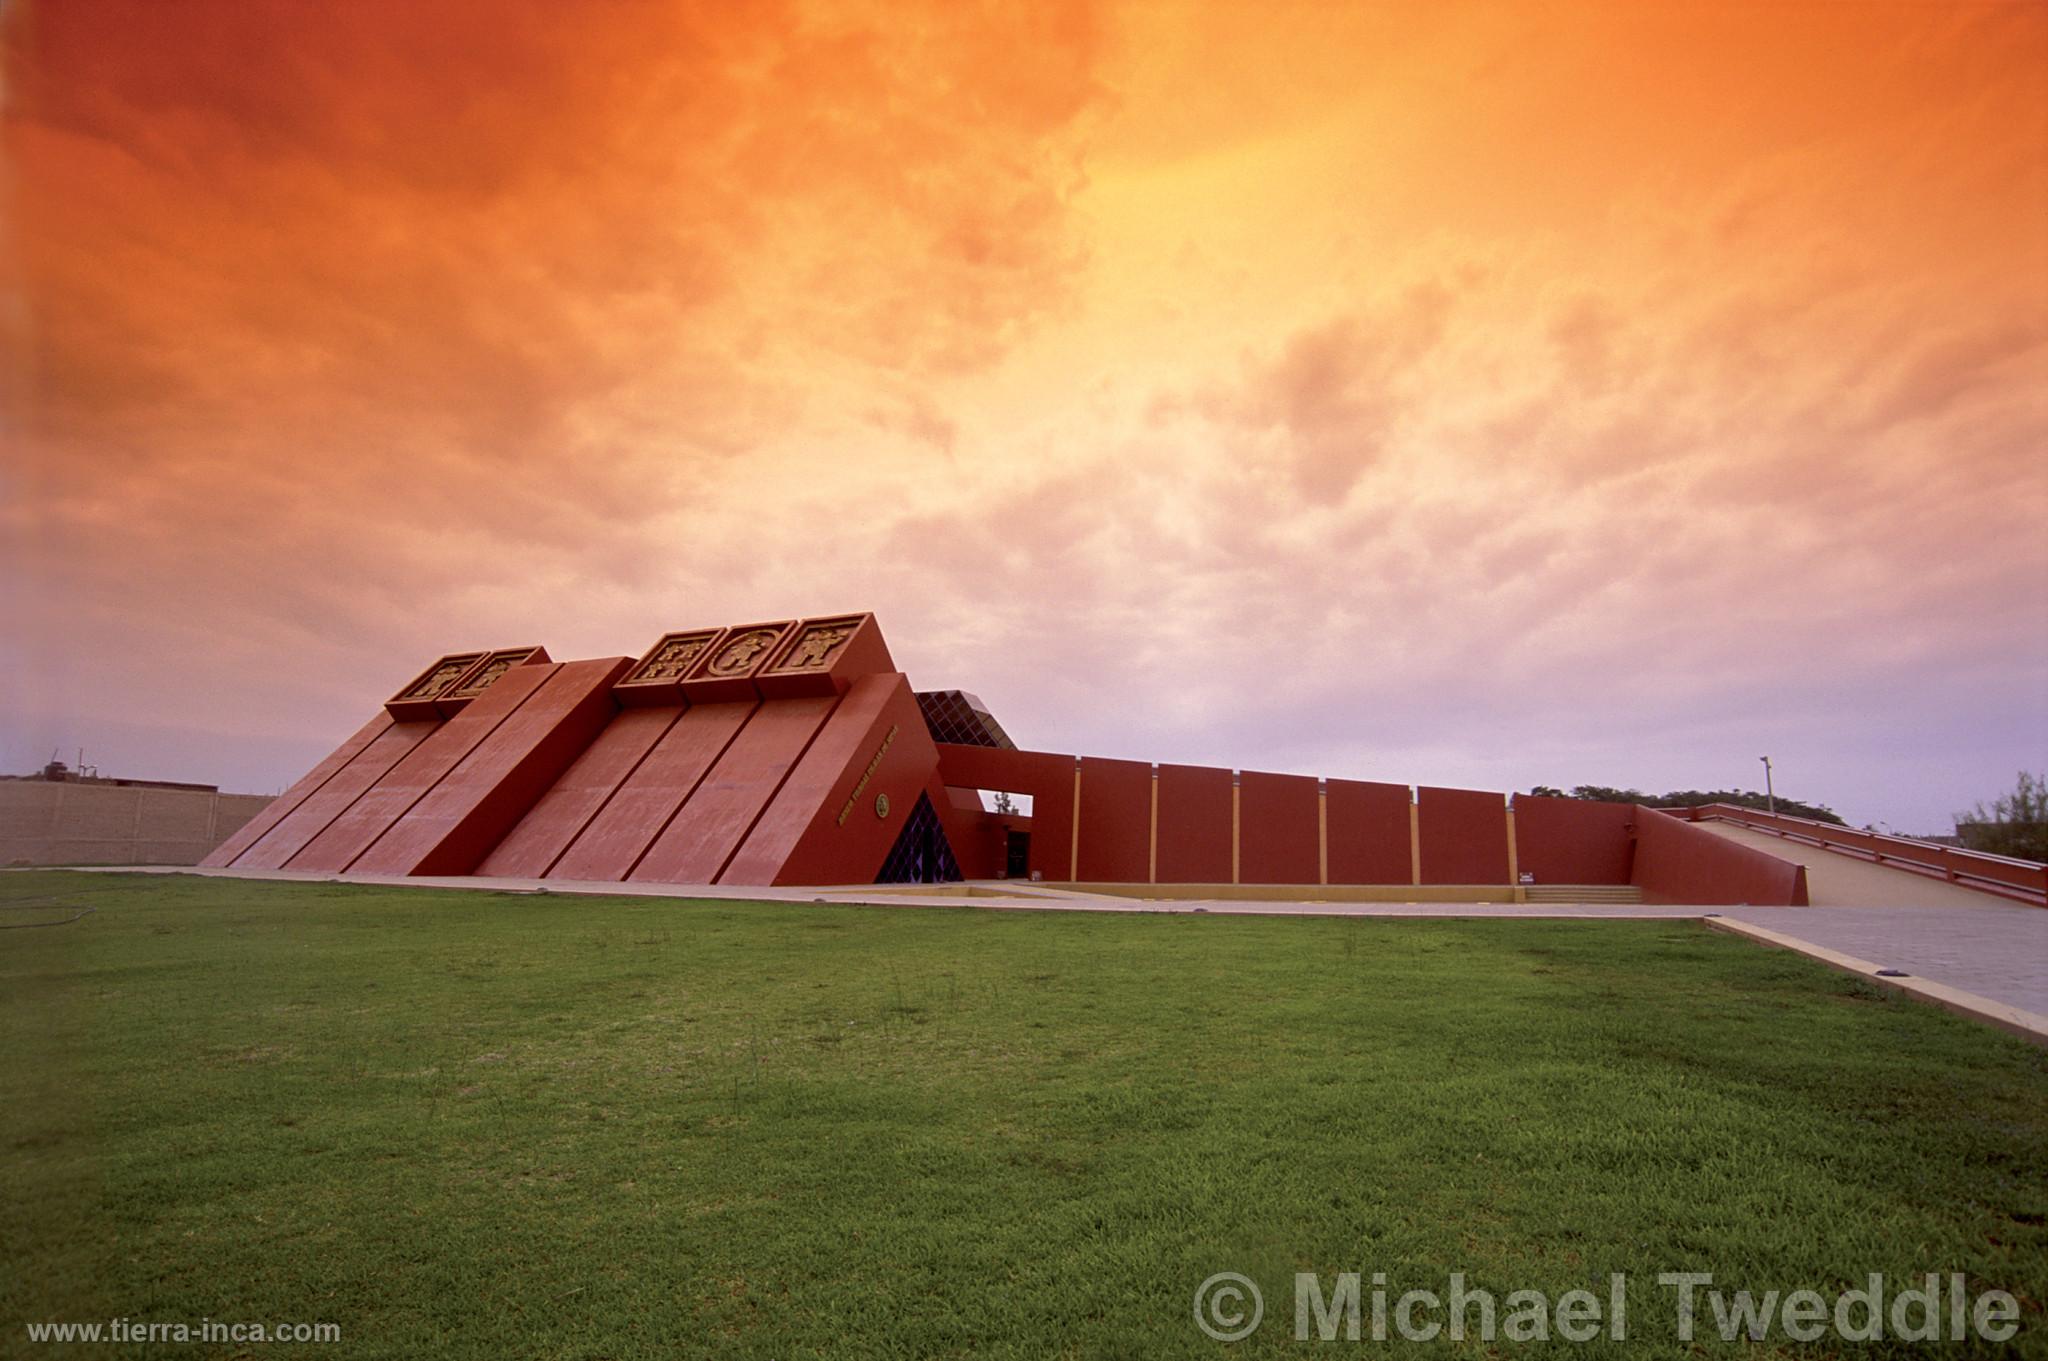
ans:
(1105, 821)
(56, 822)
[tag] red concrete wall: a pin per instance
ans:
(1464, 835)
(1116, 821)
(297, 828)
(455, 824)
(382, 805)
(1681, 862)
(533, 845)
(1277, 837)
(1369, 833)
(705, 832)
(822, 827)
(1194, 825)
(978, 838)
(275, 811)
(1574, 841)
(606, 850)
(1046, 776)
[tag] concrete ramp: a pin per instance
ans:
(1837, 880)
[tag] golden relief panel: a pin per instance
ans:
(440, 678)
(816, 647)
(741, 652)
(671, 659)
(497, 667)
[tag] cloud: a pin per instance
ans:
(330, 312)
(1269, 393)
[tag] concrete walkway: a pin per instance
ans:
(1994, 950)
(1978, 956)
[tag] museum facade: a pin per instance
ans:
(794, 752)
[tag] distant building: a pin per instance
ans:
(57, 772)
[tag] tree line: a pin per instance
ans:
(1695, 798)
(2015, 823)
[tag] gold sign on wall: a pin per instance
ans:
(440, 678)
(816, 647)
(737, 655)
(671, 659)
(882, 802)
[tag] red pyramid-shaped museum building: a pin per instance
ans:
(794, 752)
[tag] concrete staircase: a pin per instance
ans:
(1616, 894)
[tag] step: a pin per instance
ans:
(1582, 893)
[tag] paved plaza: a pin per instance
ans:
(1993, 950)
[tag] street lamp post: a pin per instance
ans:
(1770, 796)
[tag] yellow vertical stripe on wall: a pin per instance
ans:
(1514, 858)
(1414, 842)
(1152, 847)
(1234, 833)
(1322, 836)
(1074, 849)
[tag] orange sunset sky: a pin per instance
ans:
(1459, 394)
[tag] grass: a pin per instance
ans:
(481, 1125)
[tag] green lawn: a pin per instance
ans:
(486, 1125)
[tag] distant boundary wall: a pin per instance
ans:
(56, 822)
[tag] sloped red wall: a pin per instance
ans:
(454, 824)
(338, 795)
(708, 828)
(384, 803)
(826, 823)
(275, 848)
(278, 808)
(531, 848)
(606, 850)
(1681, 862)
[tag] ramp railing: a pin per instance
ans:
(2021, 880)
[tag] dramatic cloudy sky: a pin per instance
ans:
(1459, 394)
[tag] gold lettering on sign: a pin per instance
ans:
(815, 647)
(741, 651)
(867, 775)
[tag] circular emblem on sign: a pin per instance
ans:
(881, 805)
(737, 655)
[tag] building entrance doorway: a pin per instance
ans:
(1018, 861)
